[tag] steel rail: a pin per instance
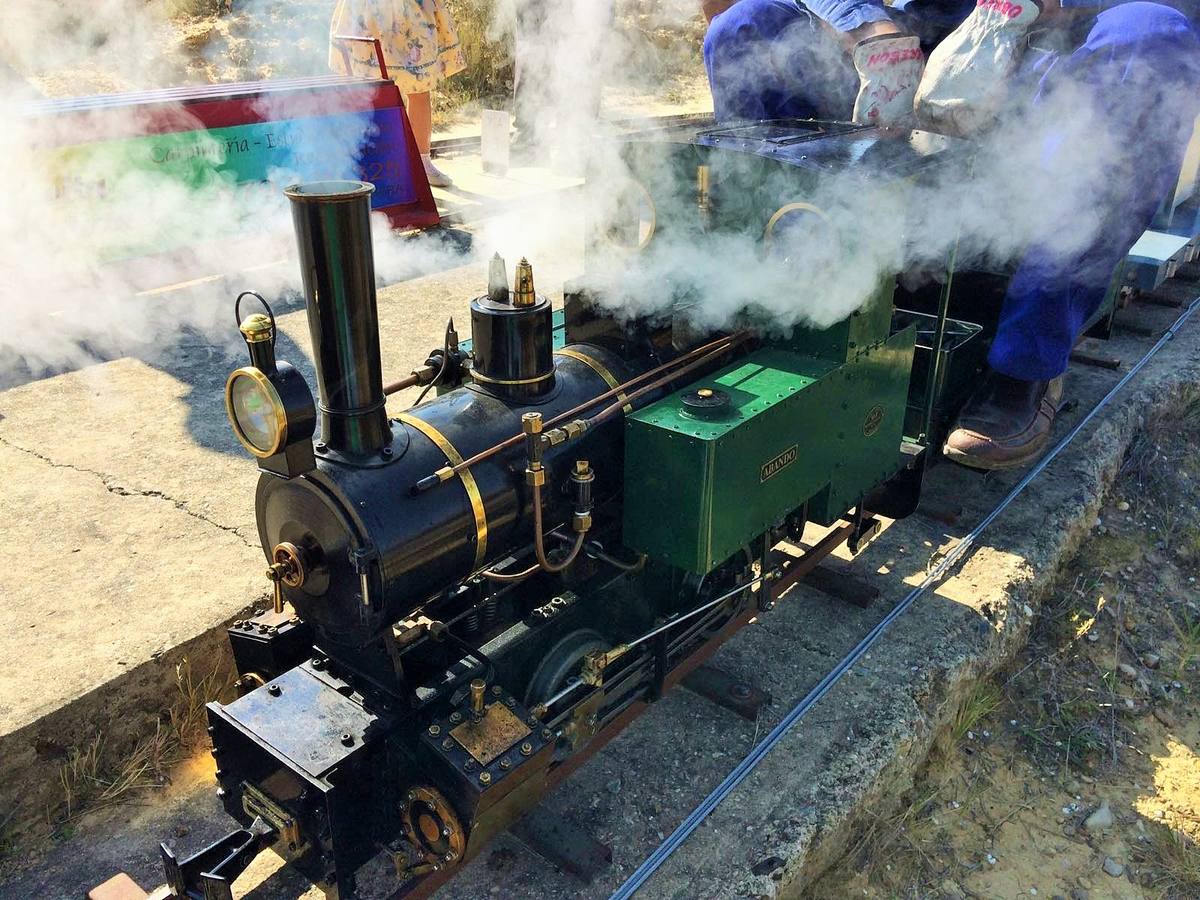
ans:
(663, 852)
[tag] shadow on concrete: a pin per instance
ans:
(201, 357)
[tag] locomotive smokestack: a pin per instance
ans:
(333, 229)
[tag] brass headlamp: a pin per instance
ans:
(268, 402)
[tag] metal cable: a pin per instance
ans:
(760, 750)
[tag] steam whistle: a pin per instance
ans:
(497, 280)
(523, 292)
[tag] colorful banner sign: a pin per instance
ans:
(202, 172)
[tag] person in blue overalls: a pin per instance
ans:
(963, 64)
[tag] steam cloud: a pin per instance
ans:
(1034, 181)
(69, 297)
(88, 242)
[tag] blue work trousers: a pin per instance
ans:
(1139, 63)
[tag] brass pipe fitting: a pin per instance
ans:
(595, 662)
(582, 478)
(531, 426)
(287, 567)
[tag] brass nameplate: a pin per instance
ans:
(873, 420)
(492, 735)
(778, 463)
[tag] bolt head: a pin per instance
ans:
(347, 739)
(435, 730)
(506, 763)
(448, 744)
(546, 733)
(526, 748)
(456, 716)
(740, 691)
(496, 689)
(274, 690)
(485, 777)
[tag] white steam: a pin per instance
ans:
(112, 245)
(1034, 182)
(84, 237)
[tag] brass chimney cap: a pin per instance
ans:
(523, 290)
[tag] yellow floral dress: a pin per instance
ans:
(420, 41)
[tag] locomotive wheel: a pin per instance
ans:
(561, 662)
(432, 828)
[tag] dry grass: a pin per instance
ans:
(1172, 860)
(96, 775)
(1187, 634)
(984, 700)
(658, 46)
(489, 72)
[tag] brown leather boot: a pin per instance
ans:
(1006, 424)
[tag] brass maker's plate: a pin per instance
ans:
(492, 735)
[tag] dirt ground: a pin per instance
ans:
(1076, 773)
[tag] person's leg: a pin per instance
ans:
(1140, 64)
(420, 117)
(1134, 82)
(771, 59)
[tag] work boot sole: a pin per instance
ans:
(995, 465)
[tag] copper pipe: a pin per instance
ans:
(419, 376)
(539, 548)
(510, 576)
(539, 540)
(723, 342)
(654, 385)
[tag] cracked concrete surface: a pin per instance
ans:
(121, 490)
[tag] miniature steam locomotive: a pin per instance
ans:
(475, 593)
